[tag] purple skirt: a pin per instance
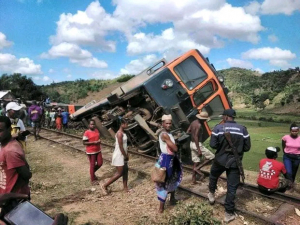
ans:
(173, 175)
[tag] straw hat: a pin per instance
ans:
(203, 116)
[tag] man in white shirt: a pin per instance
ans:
(12, 112)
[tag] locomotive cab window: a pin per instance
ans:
(203, 93)
(190, 72)
(214, 108)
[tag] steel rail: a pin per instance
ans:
(253, 188)
(280, 197)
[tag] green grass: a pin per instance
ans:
(263, 134)
(264, 115)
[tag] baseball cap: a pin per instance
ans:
(273, 149)
(13, 105)
(229, 112)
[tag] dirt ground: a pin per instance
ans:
(60, 183)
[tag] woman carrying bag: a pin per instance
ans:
(170, 162)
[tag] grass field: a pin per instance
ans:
(265, 115)
(263, 134)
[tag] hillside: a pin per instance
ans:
(82, 91)
(276, 92)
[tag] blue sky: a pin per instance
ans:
(59, 40)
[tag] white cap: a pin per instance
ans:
(273, 149)
(166, 117)
(14, 106)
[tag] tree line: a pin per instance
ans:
(278, 87)
(68, 91)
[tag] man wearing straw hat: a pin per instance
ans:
(196, 146)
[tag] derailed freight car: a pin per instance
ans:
(183, 88)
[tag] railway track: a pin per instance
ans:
(278, 204)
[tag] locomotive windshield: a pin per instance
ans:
(214, 108)
(190, 72)
(202, 94)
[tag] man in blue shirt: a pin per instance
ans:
(65, 119)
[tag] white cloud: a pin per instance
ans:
(280, 63)
(90, 62)
(273, 7)
(152, 11)
(3, 42)
(199, 27)
(269, 54)
(279, 6)
(276, 56)
(252, 8)
(69, 76)
(75, 54)
(193, 24)
(46, 78)
(147, 43)
(273, 38)
(259, 70)
(9, 63)
(89, 27)
(67, 50)
(42, 80)
(51, 71)
(239, 63)
(138, 65)
(207, 25)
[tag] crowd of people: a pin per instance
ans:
(223, 160)
(38, 115)
(15, 171)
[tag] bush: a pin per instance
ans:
(124, 78)
(193, 214)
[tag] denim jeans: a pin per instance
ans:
(233, 181)
(291, 165)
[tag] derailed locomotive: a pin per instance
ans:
(183, 88)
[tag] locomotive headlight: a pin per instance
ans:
(221, 78)
(167, 84)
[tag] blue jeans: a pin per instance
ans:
(233, 181)
(291, 163)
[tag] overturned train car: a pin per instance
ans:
(183, 88)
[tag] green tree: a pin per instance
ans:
(21, 86)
